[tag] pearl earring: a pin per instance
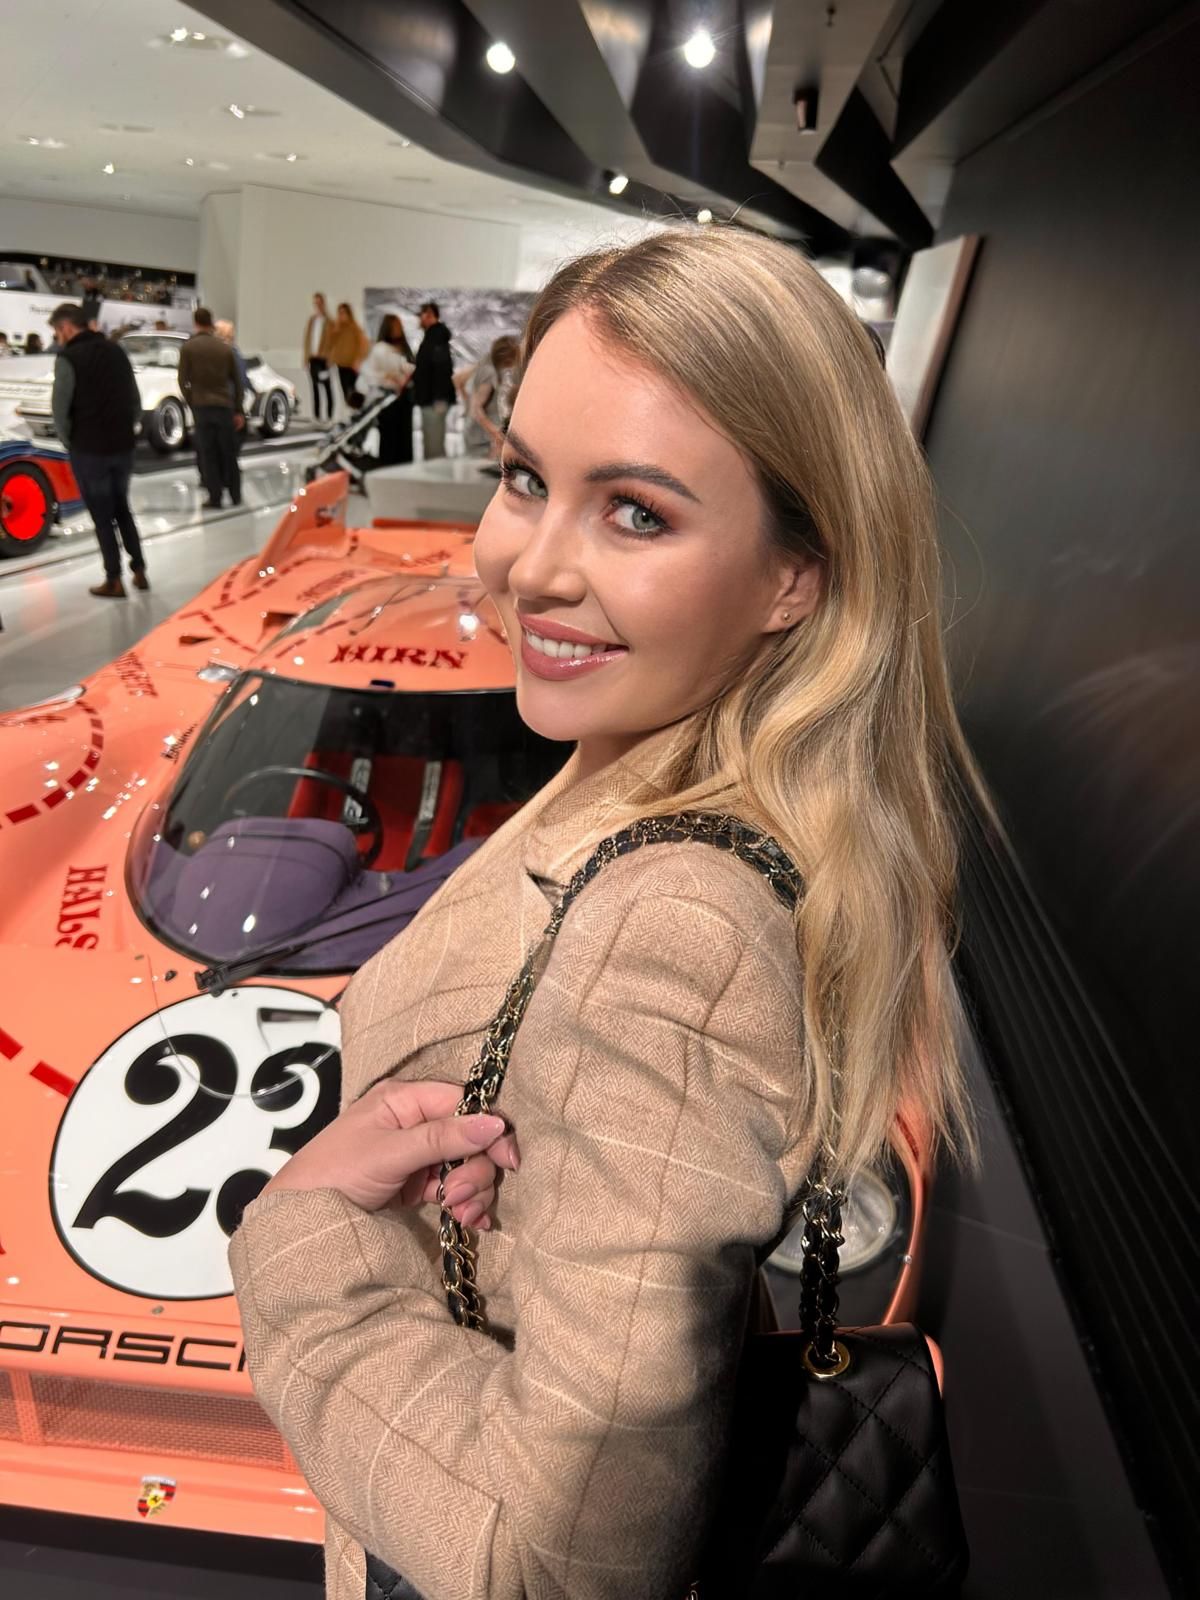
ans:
(785, 615)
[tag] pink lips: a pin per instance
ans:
(558, 668)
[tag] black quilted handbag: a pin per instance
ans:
(838, 1481)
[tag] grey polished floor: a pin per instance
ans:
(55, 632)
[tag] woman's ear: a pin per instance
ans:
(797, 597)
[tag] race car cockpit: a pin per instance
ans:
(310, 823)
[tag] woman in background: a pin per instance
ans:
(390, 365)
(489, 397)
(347, 346)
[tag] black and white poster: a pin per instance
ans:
(475, 317)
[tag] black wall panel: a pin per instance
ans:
(1064, 443)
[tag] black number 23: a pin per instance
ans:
(152, 1078)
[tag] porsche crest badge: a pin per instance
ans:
(155, 1494)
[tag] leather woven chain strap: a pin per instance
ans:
(487, 1075)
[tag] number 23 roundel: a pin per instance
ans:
(177, 1127)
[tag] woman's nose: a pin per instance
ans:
(547, 566)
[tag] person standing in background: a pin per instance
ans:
(211, 384)
(347, 346)
(5, 349)
(91, 303)
(316, 357)
(390, 366)
(33, 344)
(433, 381)
(97, 407)
(227, 333)
(489, 397)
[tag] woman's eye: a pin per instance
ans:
(633, 517)
(521, 481)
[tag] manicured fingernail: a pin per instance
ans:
(472, 1213)
(459, 1193)
(484, 1130)
(484, 1224)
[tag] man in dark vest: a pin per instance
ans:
(209, 382)
(97, 408)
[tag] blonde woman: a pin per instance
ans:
(725, 596)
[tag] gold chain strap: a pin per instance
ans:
(487, 1075)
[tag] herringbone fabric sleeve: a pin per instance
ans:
(577, 1458)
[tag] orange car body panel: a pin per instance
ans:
(100, 1388)
(137, 1405)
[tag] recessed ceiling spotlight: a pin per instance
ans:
(704, 215)
(177, 35)
(240, 111)
(500, 58)
(199, 38)
(700, 51)
(400, 144)
(279, 155)
(618, 183)
(235, 111)
(108, 168)
(189, 161)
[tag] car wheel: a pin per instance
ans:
(275, 415)
(166, 426)
(27, 508)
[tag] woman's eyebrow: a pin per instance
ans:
(612, 470)
(645, 473)
(513, 438)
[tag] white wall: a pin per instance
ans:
(292, 244)
(545, 246)
(220, 253)
(95, 233)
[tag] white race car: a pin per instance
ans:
(270, 398)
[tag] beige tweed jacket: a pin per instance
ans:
(654, 1089)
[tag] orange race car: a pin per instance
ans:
(198, 846)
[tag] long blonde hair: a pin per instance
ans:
(841, 737)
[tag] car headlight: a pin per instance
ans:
(870, 1222)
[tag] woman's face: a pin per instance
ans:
(625, 549)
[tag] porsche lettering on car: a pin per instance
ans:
(200, 844)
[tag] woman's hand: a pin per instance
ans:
(391, 1144)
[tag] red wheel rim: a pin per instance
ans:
(23, 507)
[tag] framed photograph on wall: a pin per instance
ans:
(930, 305)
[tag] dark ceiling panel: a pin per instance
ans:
(977, 70)
(696, 126)
(614, 77)
(436, 50)
(857, 157)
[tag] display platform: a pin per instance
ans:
(451, 489)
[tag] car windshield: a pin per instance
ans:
(309, 824)
(141, 352)
(16, 275)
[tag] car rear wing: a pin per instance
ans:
(315, 522)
